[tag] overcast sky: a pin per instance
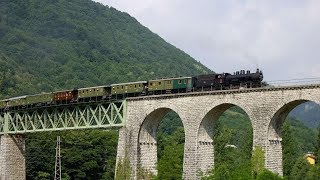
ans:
(280, 37)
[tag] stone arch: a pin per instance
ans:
(274, 138)
(205, 144)
(147, 137)
(226, 104)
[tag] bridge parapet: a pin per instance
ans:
(232, 91)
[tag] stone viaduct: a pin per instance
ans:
(267, 109)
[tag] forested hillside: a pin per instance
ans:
(308, 112)
(48, 45)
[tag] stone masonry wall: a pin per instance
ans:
(12, 158)
(266, 109)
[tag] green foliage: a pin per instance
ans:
(169, 123)
(300, 169)
(317, 149)
(232, 146)
(222, 172)
(170, 164)
(170, 140)
(88, 154)
(123, 169)
(314, 172)
(304, 137)
(257, 161)
(309, 112)
(50, 45)
(144, 174)
(268, 175)
(289, 149)
(233, 128)
(238, 122)
(42, 176)
(297, 139)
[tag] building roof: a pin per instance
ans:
(138, 82)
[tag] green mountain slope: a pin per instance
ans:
(48, 45)
(308, 113)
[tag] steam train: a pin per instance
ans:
(208, 82)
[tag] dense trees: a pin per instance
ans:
(88, 154)
(233, 145)
(298, 140)
(52, 45)
(48, 45)
(170, 139)
(289, 149)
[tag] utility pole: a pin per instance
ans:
(57, 168)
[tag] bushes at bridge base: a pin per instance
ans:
(268, 175)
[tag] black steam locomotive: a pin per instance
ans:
(224, 81)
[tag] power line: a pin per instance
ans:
(315, 79)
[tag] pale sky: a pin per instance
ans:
(281, 37)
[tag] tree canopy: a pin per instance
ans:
(49, 45)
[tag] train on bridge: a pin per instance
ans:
(208, 82)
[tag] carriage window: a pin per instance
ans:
(150, 84)
(180, 81)
(121, 87)
(135, 86)
(159, 83)
(185, 81)
(139, 85)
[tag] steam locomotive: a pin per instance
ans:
(208, 82)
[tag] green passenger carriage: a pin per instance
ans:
(3, 103)
(98, 92)
(128, 89)
(168, 85)
(39, 98)
(17, 101)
